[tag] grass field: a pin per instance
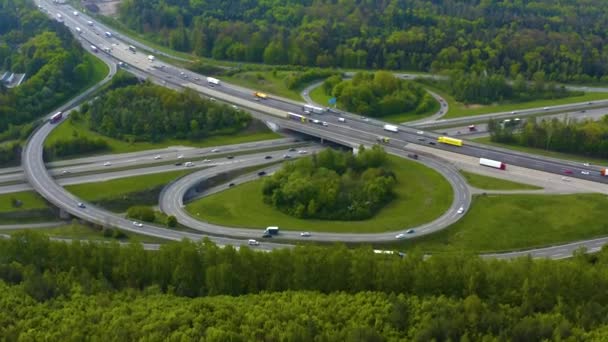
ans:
(319, 96)
(83, 232)
(491, 183)
(100, 70)
(422, 195)
(256, 133)
(30, 200)
(559, 155)
(265, 81)
(498, 223)
(118, 187)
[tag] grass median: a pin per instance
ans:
(491, 183)
(499, 223)
(256, 132)
(421, 196)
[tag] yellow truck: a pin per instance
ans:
(449, 141)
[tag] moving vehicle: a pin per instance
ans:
(383, 140)
(132, 48)
(313, 109)
(410, 231)
(213, 81)
(90, 23)
(604, 172)
(107, 163)
(568, 172)
(272, 230)
(305, 234)
(268, 157)
(302, 152)
(585, 172)
(75, 13)
(419, 132)
(188, 164)
(472, 128)
(108, 34)
(215, 150)
(56, 117)
(400, 236)
(262, 173)
(324, 124)
(229, 157)
(412, 155)
(157, 157)
(297, 117)
(492, 163)
(252, 242)
(181, 156)
(78, 30)
(391, 128)
(94, 48)
(137, 224)
(341, 119)
(450, 141)
(81, 205)
(151, 58)
(460, 210)
(260, 95)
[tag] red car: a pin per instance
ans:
(568, 172)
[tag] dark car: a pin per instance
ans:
(178, 164)
(568, 172)
(431, 143)
(268, 157)
(81, 205)
(292, 149)
(230, 185)
(230, 157)
(261, 173)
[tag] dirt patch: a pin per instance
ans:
(107, 8)
(473, 106)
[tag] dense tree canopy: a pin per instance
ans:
(586, 137)
(492, 88)
(152, 113)
(60, 291)
(379, 94)
(43, 49)
(563, 39)
(332, 185)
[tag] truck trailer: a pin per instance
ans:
(272, 230)
(56, 117)
(604, 172)
(391, 128)
(213, 81)
(492, 163)
(313, 109)
(449, 141)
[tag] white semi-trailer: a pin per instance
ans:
(492, 163)
(391, 128)
(313, 109)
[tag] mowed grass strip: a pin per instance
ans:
(29, 200)
(492, 183)
(256, 133)
(541, 152)
(83, 232)
(422, 195)
(123, 186)
(265, 81)
(500, 223)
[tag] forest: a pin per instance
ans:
(584, 137)
(147, 112)
(378, 94)
(186, 290)
(564, 39)
(473, 88)
(43, 49)
(332, 185)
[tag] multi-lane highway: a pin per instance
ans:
(354, 131)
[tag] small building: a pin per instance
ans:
(11, 80)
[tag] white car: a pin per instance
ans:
(137, 224)
(341, 119)
(586, 164)
(460, 210)
(585, 172)
(235, 107)
(215, 150)
(181, 156)
(324, 123)
(302, 152)
(316, 121)
(513, 112)
(400, 236)
(75, 13)
(565, 179)
(545, 108)
(305, 234)
(157, 157)
(253, 243)
(206, 160)
(65, 172)
(107, 164)
(419, 132)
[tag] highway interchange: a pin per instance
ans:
(355, 131)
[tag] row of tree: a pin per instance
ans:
(586, 137)
(147, 112)
(53, 61)
(562, 39)
(487, 88)
(332, 185)
(95, 288)
(379, 94)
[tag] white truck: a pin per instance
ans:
(492, 163)
(391, 128)
(151, 58)
(213, 81)
(312, 109)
